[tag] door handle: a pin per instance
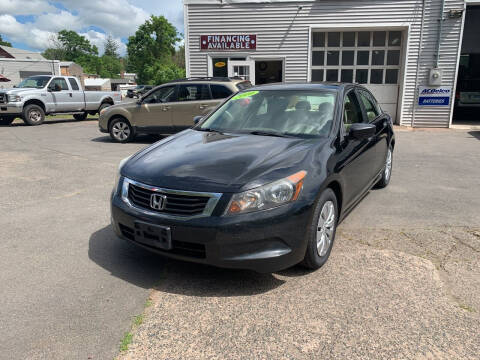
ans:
(166, 108)
(203, 106)
(70, 94)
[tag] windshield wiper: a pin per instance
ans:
(268, 133)
(208, 130)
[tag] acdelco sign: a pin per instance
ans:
(428, 96)
(233, 42)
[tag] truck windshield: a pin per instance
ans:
(277, 112)
(37, 82)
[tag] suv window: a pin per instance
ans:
(244, 85)
(161, 95)
(220, 91)
(60, 82)
(370, 105)
(352, 112)
(193, 92)
(73, 84)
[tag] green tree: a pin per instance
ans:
(153, 43)
(179, 57)
(4, 43)
(111, 47)
(160, 73)
(75, 45)
(110, 66)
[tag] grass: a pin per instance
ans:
(137, 321)
(466, 308)
(68, 117)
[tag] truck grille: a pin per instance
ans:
(3, 98)
(174, 204)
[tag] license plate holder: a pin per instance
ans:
(153, 235)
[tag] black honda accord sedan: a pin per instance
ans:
(262, 182)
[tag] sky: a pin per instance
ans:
(30, 24)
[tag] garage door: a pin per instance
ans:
(371, 58)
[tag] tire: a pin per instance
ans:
(321, 234)
(6, 120)
(387, 171)
(103, 106)
(33, 115)
(81, 116)
(121, 130)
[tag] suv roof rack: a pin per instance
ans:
(213, 78)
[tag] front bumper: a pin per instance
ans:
(102, 123)
(264, 241)
(11, 108)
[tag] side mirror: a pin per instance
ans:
(197, 119)
(362, 131)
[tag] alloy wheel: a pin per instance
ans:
(34, 116)
(121, 131)
(388, 164)
(325, 228)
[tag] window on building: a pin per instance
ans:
(364, 57)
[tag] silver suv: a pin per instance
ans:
(168, 108)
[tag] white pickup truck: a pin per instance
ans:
(42, 95)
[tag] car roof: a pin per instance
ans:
(234, 80)
(332, 86)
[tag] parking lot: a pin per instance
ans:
(403, 280)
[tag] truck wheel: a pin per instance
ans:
(121, 130)
(33, 115)
(6, 120)
(103, 106)
(81, 116)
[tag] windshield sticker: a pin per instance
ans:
(245, 95)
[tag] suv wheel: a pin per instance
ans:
(33, 115)
(103, 106)
(321, 234)
(121, 130)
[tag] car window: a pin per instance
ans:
(161, 95)
(293, 113)
(220, 91)
(193, 92)
(352, 112)
(244, 85)
(371, 108)
(73, 84)
(60, 82)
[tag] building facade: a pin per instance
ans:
(405, 51)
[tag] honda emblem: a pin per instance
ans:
(157, 201)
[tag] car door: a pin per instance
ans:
(375, 116)
(61, 94)
(77, 100)
(192, 100)
(357, 157)
(152, 113)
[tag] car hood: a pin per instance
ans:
(16, 91)
(212, 162)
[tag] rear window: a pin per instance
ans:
(244, 85)
(220, 91)
(73, 83)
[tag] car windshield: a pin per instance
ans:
(37, 82)
(275, 112)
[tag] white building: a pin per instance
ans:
(18, 64)
(405, 51)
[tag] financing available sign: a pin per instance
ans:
(232, 42)
(434, 96)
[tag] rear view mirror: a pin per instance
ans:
(362, 131)
(197, 119)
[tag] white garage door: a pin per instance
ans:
(371, 58)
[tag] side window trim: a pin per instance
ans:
(61, 78)
(360, 92)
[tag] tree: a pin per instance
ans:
(111, 47)
(153, 43)
(160, 73)
(75, 45)
(4, 43)
(179, 57)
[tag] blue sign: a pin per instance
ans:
(439, 96)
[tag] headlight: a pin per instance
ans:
(103, 110)
(117, 174)
(267, 196)
(14, 98)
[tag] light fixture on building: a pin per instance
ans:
(455, 14)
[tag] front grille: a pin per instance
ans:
(178, 247)
(3, 98)
(175, 204)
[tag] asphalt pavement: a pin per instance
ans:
(402, 280)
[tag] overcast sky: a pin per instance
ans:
(29, 24)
